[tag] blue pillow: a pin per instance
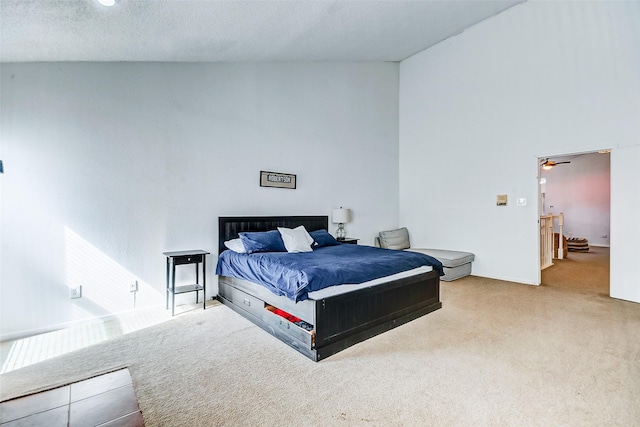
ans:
(266, 241)
(323, 238)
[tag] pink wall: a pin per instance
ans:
(581, 190)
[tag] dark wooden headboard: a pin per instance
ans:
(229, 227)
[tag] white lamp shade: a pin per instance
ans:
(341, 216)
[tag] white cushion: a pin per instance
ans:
(395, 239)
(296, 239)
(456, 272)
(446, 257)
(236, 246)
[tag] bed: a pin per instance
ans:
(324, 324)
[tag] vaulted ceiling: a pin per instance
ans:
(232, 30)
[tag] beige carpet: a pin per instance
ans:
(497, 353)
(580, 271)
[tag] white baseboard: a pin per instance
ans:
(507, 279)
(44, 330)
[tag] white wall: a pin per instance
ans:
(477, 110)
(625, 227)
(107, 165)
(581, 190)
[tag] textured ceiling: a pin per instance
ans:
(231, 31)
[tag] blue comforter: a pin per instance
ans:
(296, 274)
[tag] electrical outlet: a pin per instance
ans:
(133, 287)
(75, 292)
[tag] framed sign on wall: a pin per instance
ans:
(277, 179)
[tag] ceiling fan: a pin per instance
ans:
(550, 164)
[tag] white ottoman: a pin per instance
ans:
(456, 264)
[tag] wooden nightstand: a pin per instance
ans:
(349, 240)
(196, 257)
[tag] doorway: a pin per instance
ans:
(578, 187)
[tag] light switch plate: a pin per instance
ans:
(75, 292)
(521, 201)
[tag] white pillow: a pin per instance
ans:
(297, 239)
(236, 246)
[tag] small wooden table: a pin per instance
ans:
(196, 257)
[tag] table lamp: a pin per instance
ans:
(341, 217)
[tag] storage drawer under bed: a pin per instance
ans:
(278, 321)
(243, 300)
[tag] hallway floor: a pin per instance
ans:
(581, 271)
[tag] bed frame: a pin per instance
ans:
(339, 321)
